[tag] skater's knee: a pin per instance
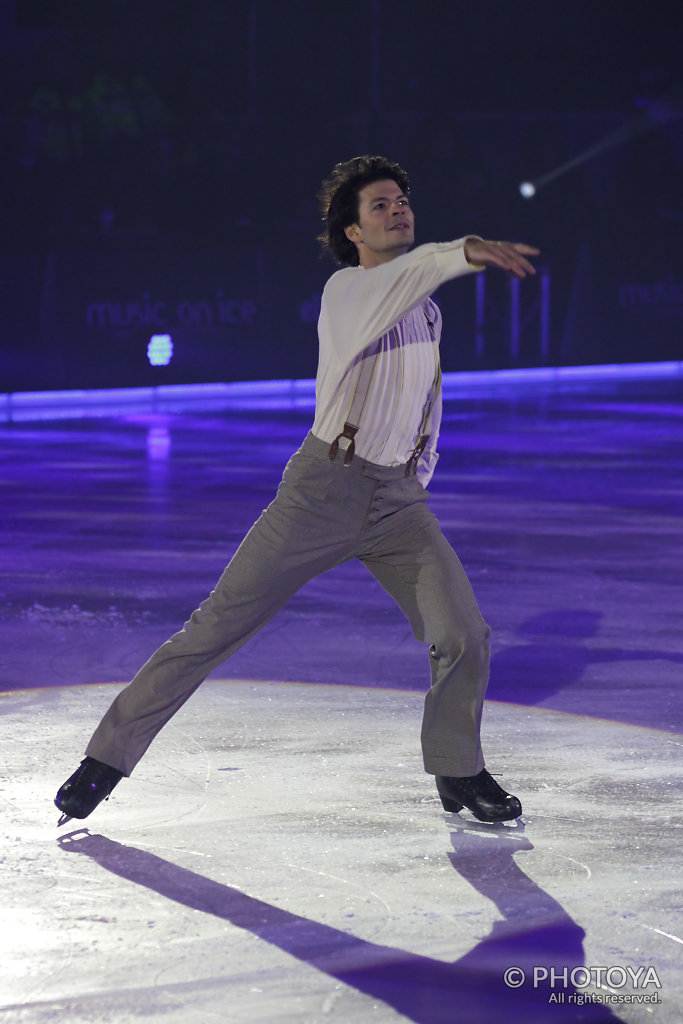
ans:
(457, 643)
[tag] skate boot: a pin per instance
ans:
(87, 787)
(480, 794)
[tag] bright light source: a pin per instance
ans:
(160, 350)
(528, 189)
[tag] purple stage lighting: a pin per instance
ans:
(160, 350)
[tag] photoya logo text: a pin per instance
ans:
(581, 977)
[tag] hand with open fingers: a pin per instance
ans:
(509, 256)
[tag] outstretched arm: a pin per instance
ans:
(359, 306)
(509, 256)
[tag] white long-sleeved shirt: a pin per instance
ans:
(385, 314)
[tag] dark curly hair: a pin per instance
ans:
(338, 199)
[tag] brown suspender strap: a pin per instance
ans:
(426, 425)
(360, 394)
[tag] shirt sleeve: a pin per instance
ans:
(359, 306)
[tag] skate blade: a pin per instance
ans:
(63, 819)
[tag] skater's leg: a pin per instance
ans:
(301, 534)
(414, 562)
(417, 566)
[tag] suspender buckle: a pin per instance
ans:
(349, 433)
(411, 464)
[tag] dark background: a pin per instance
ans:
(160, 160)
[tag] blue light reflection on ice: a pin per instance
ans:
(158, 443)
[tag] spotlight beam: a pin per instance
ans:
(658, 114)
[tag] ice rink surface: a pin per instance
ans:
(279, 855)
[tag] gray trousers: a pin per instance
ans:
(325, 513)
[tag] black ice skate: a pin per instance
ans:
(480, 794)
(91, 783)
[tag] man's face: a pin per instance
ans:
(386, 227)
